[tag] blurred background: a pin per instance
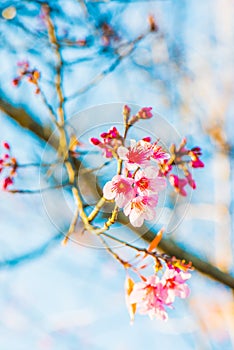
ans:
(176, 56)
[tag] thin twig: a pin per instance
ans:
(39, 190)
(58, 82)
(129, 48)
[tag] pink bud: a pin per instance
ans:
(147, 139)
(113, 132)
(95, 141)
(126, 110)
(190, 180)
(197, 163)
(6, 182)
(178, 184)
(145, 113)
(104, 135)
(15, 82)
(6, 145)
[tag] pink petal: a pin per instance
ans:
(107, 191)
(136, 218)
(127, 209)
(122, 152)
(151, 172)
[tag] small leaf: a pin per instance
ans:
(129, 284)
(155, 242)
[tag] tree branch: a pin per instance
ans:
(21, 117)
(171, 248)
(34, 254)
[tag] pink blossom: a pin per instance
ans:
(178, 184)
(154, 294)
(159, 154)
(148, 296)
(141, 208)
(137, 155)
(121, 189)
(174, 285)
(148, 181)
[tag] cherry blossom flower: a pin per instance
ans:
(148, 296)
(154, 294)
(159, 154)
(137, 155)
(174, 285)
(141, 208)
(148, 181)
(121, 189)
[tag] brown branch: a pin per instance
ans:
(58, 81)
(172, 248)
(21, 117)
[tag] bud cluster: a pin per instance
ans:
(32, 75)
(8, 166)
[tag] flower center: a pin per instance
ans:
(143, 183)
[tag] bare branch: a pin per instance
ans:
(32, 255)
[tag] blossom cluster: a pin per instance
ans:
(8, 166)
(145, 168)
(136, 189)
(33, 75)
(184, 158)
(154, 294)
